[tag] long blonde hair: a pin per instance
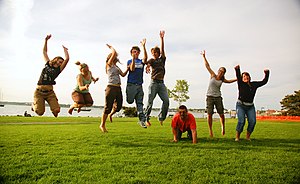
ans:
(107, 59)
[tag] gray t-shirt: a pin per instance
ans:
(214, 87)
(113, 73)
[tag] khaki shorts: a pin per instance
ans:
(82, 98)
(39, 101)
(212, 102)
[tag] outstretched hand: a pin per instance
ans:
(65, 48)
(237, 67)
(162, 33)
(48, 37)
(203, 53)
(96, 80)
(148, 69)
(143, 42)
(109, 46)
(266, 70)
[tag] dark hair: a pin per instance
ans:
(135, 48)
(156, 49)
(223, 77)
(247, 74)
(183, 107)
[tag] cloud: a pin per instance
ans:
(255, 34)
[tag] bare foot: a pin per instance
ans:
(71, 110)
(223, 131)
(55, 114)
(248, 136)
(161, 123)
(148, 123)
(110, 118)
(237, 139)
(211, 134)
(103, 129)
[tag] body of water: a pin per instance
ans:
(18, 110)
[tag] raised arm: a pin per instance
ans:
(162, 44)
(229, 81)
(45, 49)
(123, 74)
(212, 73)
(266, 78)
(132, 64)
(143, 42)
(67, 58)
(238, 73)
(113, 55)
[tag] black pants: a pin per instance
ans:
(179, 134)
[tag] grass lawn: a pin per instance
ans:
(72, 150)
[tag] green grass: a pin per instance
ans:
(72, 150)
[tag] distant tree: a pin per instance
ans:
(290, 104)
(179, 93)
(130, 111)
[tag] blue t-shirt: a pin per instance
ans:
(136, 76)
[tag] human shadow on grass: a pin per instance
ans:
(230, 143)
(215, 143)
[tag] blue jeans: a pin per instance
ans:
(158, 87)
(243, 110)
(135, 92)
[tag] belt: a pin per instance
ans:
(44, 91)
(158, 81)
(245, 103)
(134, 84)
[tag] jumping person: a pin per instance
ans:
(244, 104)
(113, 92)
(214, 96)
(81, 95)
(44, 91)
(134, 88)
(157, 86)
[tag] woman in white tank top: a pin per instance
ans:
(214, 96)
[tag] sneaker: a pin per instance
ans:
(142, 124)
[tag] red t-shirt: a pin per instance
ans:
(189, 124)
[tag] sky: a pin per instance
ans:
(255, 34)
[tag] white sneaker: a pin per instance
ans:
(142, 124)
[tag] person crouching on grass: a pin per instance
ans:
(44, 91)
(81, 95)
(183, 121)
